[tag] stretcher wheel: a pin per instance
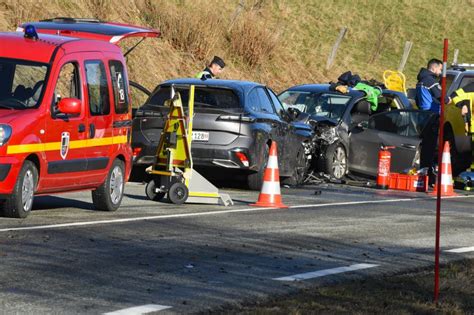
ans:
(178, 193)
(150, 191)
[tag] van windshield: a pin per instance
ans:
(21, 83)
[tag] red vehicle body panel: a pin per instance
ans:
(37, 135)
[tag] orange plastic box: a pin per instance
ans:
(408, 182)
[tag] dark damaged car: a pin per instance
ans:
(349, 135)
(234, 124)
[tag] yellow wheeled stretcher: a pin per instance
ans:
(172, 172)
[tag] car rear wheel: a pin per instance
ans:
(20, 202)
(336, 161)
(108, 196)
(255, 180)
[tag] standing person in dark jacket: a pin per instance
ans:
(215, 68)
(428, 89)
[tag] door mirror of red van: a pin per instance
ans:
(70, 106)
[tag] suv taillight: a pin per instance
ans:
(243, 158)
(136, 151)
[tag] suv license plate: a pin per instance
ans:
(200, 136)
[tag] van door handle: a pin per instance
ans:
(408, 146)
(91, 131)
(81, 128)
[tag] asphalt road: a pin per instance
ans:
(66, 258)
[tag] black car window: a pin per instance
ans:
(278, 106)
(203, 97)
(259, 101)
(466, 80)
(403, 123)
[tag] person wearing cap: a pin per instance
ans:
(215, 68)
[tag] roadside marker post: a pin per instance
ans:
(438, 180)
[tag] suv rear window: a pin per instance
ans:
(204, 97)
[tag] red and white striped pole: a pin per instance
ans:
(440, 161)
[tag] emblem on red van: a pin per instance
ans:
(64, 144)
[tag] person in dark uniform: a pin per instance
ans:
(212, 70)
(428, 89)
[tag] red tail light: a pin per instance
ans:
(136, 151)
(243, 158)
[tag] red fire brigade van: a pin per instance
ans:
(65, 114)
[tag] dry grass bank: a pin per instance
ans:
(279, 43)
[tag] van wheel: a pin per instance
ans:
(108, 196)
(20, 202)
(299, 170)
(150, 191)
(255, 180)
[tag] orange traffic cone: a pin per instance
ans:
(270, 194)
(447, 188)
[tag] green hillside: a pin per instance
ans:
(279, 43)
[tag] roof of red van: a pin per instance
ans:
(15, 45)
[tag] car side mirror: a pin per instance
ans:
(70, 106)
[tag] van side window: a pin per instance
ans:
(68, 85)
(118, 76)
(97, 88)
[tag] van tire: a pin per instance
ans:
(108, 196)
(20, 202)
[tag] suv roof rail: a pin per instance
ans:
(462, 66)
(72, 20)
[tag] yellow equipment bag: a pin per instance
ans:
(394, 80)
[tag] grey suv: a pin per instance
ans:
(233, 126)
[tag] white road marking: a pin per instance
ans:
(137, 310)
(325, 272)
(460, 250)
(196, 214)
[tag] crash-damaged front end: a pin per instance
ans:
(326, 134)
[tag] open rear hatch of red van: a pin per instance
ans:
(91, 29)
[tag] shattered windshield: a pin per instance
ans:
(318, 104)
(21, 83)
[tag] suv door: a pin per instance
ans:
(66, 163)
(292, 143)
(265, 114)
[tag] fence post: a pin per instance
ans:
(406, 53)
(455, 58)
(333, 53)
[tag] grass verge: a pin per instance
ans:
(410, 293)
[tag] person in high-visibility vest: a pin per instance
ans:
(215, 68)
(464, 99)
